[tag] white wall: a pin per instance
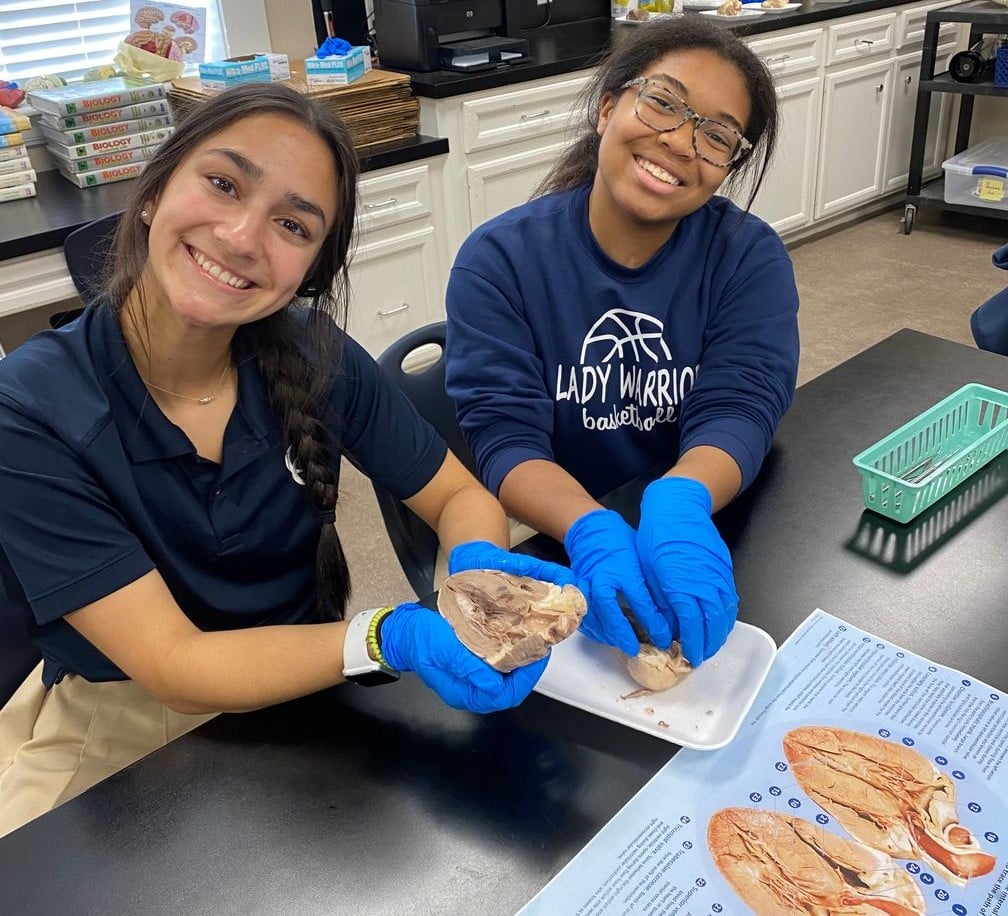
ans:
(291, 27)
(990, 117)
(245, 26)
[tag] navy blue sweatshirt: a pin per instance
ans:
(557, 352)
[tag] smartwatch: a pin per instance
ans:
(363, 662)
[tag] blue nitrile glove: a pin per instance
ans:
(333, 47)
(414, 638)
(687, 565)
(603, 554)
(484, 555)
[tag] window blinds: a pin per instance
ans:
(67, 38)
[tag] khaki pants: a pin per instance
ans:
(56, 743)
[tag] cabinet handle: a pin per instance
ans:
(779, 59)
(880, 87)
(864, 41)
(909, 80)
(391, 202)
(384, 313)
(534, 117)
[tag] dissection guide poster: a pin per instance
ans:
(866, 781)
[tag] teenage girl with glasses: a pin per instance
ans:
(627, 320)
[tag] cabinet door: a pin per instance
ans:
(855, 112)
(786, 197)
(506, 182)
(901, 124)
(395, 288)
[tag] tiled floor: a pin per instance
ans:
(861, 284)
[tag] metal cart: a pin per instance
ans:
(984, 18)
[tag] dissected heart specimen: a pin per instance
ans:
(508, 620)
(657, 669)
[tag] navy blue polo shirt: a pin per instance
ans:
(98, 487)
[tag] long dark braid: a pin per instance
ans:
(297, 392)
(295, 358)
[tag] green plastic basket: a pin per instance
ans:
(917, 464)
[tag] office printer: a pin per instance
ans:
(464, 35)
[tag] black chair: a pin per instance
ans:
(989, 322)
(415, 544)
(86, 250)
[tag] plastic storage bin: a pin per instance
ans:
(1001, 67)
(917, 464)
(979, 175)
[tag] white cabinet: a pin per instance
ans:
(855, 118)
(505, 182)
(400, 264)
(511, 138)
(397, 286)
(906, 75)
(499, 117)
(502, 143)
(848, 93)
(787, 195)
(412, 218)
(857, 40)
(857, 89)
(910, 25)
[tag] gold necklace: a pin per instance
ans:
(209, 399)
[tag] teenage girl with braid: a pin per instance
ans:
(169, 466)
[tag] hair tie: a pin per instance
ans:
(293, 468)
(325, 517)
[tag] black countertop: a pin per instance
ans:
(39, 223)
(574, 46)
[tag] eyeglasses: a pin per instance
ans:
(662, 110)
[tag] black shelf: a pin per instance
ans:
(933, 193)
(944, 83)
(984, 17)
(978, 13)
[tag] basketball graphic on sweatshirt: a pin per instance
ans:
(625, 375)
(619, 333)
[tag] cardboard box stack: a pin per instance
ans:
(17, 177)
(377, 108)
(105, 130)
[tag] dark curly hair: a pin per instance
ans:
(294, 358)
(648, 43)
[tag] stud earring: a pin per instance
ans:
(144, 215)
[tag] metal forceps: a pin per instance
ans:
(928, 466)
